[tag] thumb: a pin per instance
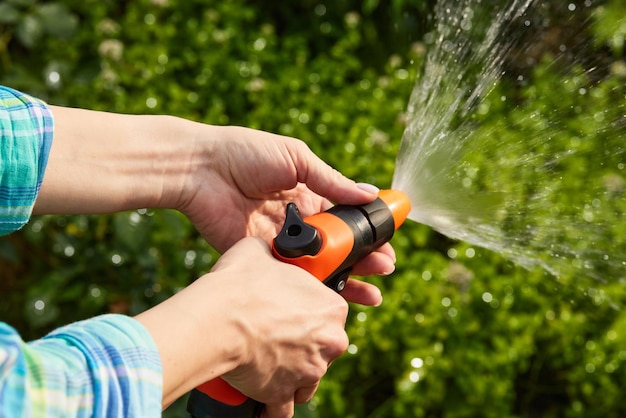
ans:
(324, 180)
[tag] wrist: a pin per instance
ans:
(197, 340)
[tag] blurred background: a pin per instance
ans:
(463, 331)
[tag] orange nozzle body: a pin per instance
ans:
(329, 243)
(398, 203)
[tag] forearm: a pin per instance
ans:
(105, 162)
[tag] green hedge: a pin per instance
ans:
(463, 331)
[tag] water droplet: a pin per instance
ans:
(599, 116)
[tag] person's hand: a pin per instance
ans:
(269, 328)
(294, 331)
(245, 182)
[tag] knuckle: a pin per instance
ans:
(343, 342)
(338, 345)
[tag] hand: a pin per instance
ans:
(269, 328)
(291, 343)
(247, 180)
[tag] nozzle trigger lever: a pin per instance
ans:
(296, 238)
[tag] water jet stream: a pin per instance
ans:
(515, 152)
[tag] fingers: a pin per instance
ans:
(380, 262)
(305, 394)
(357, 291)
(284, 410)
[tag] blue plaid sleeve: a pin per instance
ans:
(107, 366)
(26, 130)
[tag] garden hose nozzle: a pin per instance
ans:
(326, 245)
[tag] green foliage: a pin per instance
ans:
(610, 27)
(32, 21)
(462, 332)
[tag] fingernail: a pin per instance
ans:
(388, 271)
(369, 188)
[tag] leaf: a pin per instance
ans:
(369, 6)
(130, 230)
(57, 20)
(29, 31)
(24, 3)
(8, 13)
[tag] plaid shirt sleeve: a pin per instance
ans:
(26, 129)
(106, 366)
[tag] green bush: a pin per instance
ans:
(463, 331)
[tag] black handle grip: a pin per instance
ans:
(200, 405)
